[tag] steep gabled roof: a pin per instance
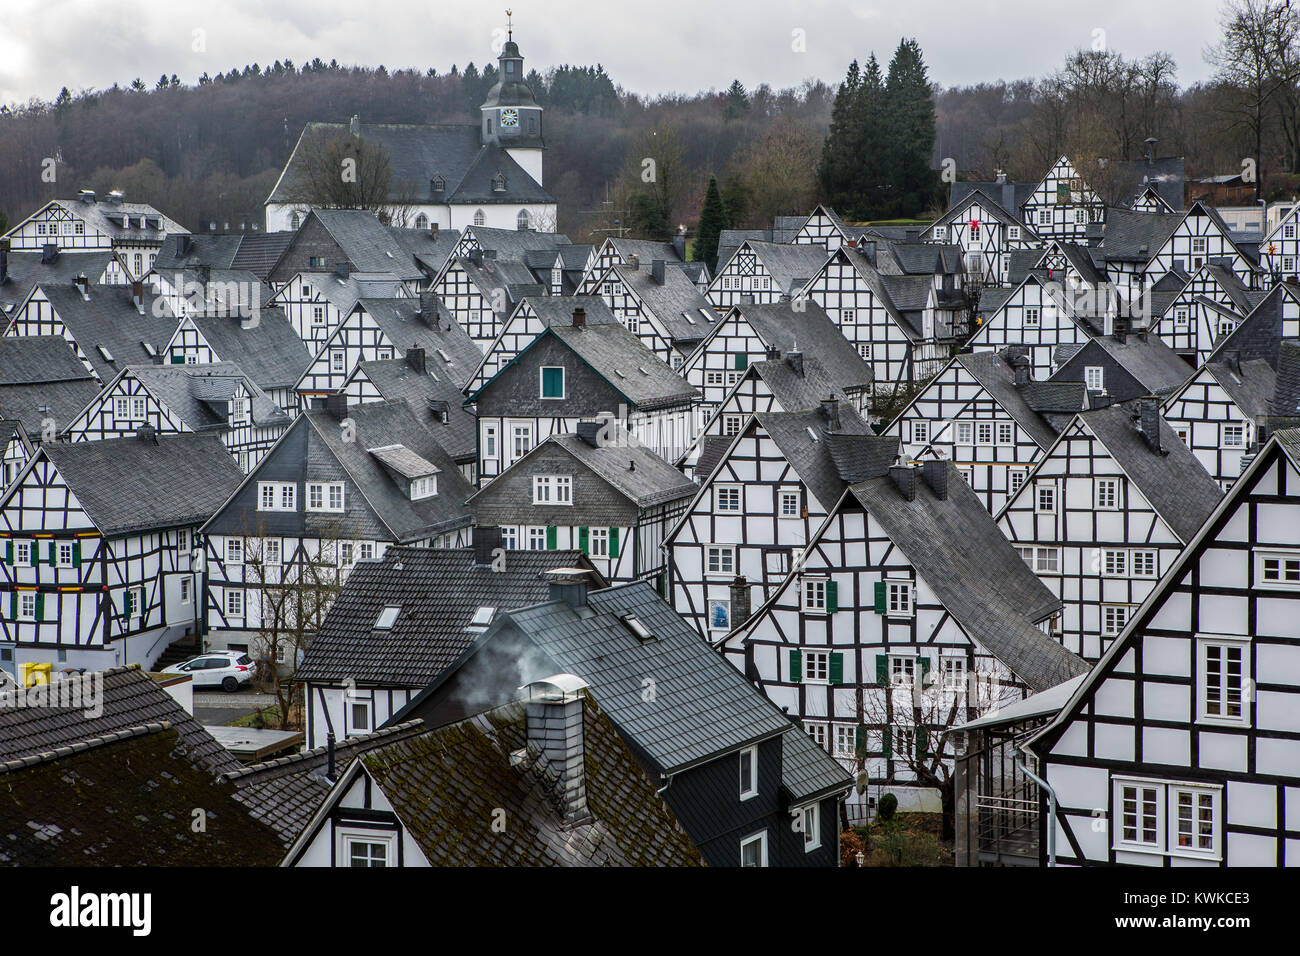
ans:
(368, 244)
(449, 352)
(26, 270)
(1173, 480)
(109, 320)
(686, 315)
(632, 470)
(975, 572)
(804, 438)
(1025, 405)
(812, 332)
(622, 359)
(396, 380)
(270, 352)
(1136, 236)
(197, 393)
(128, 485)
(791, 266)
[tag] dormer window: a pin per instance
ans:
(426, 487)
(498, 183)
(238, 411)
(438, 184)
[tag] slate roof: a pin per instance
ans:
(402, 323)
(1136, 236)
(1025, 405)
(128, 485)
(1250, 385)
(647, 250)
(712, 448)
(515, 244)
(703, 706)
(670, 302)
(975, 572)
(815, 459)
(445, 783)
(872, 278)
(39, 360)
(812, 332)
(622, 359)
(270, 352)
(512, 275)
(429, 253)
(439, 591)
(285, 793)
(396, 380)
(418, 153)
(791, 266)
(1010, 197)
(652, 482)
(784, 229)
(198, 393)
(795, 392)
(1165, 174)
(368, 244)
(125, 799)
(344, 293)
(107, 218)
(1146, 357)
(113, 700)
(26, 271)
(395, 423)
(110, 320)
(1173, 480)
(255, 252)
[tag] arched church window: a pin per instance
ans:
(479, 218)
(421, 221)
(295, 221)
(521, 221)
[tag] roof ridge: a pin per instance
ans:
(279, 762)
(90, 743)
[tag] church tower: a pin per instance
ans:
(511, 117)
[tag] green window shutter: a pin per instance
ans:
(880, 597)
(885, 747)
(742, 361)
(925, 672)
(837, 668)
(922, 743)
(9, 552)
(76, 554)
(796, 666)
(551, 538)
(13, 605)
(40, 606)
(582, 539)
(613, 542)
(178, 359)
(552, 383)
(832, 596)
(54, 553)
(882, 670)
(860, 744)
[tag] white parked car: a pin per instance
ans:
(229, 670)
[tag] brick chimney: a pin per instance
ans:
(831, 413)
(429, 307)
(794, 359)
(83, 286)
(415, 358)
(137, 295)
(579, 317)
(554, 715)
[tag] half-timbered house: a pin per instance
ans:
(1180, 747)
(132, 232)
(758, 507)
(1104, 514)
(750, 333)
(1062, 205)
(1123, 365)
(99, 544)
(214, 399)
(341, 485)
(382, 329)
(1204, 311)
(987, 415)
(986, 233)
(580, 372)
(316, 303)
(1038, 316)
(659, 302)
(899, 348)
(42, 385)
(906, 611)
(764, 272)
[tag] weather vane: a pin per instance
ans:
(510, 30)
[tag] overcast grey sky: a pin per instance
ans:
(652, 47)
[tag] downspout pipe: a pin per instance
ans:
(1051, 809)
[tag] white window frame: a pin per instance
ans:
(748, 788)
(553, 490)
(1114, 563)
(963, 433)
(234, 603)
(1094, 378)
(728, 499)
(1105, 494)
(784, 497)
(900, 598)
(816, 667)
(1139, 559)
(426, 486)
(812, 827)
(845, 740)
(350, 727)
(1107, 629)
(761, 839)
(1040, 490)
(1033, 317)
(1279, 583)
(1244, 689)
(920, 431)
(819, 732)
(1148, 797)
(720, 550)
(348, 836)
(814, 595)
(234, 551)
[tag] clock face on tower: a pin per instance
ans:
(509, 117)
